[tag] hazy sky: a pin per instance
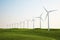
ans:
(13, 11)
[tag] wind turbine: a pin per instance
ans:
(14, 25)
(23, 24)
(17, 25)
(33, 22)
(40, 17)
(11, 25)
(27, 23)
(20, 24)
(7, 25)
(48, 16)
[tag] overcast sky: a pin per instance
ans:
(14, 11)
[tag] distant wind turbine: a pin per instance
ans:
(12, 25)
(33, 22)
(17, 25)
(48, 16)
(20, 24)
(7, 25)
(40, 17)
(27, 23)
(23, 24)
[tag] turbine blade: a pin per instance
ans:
(41, 14)
(52, 10)
(41, 18)
(45, 9)
(46, 16)
(33, 20)
(37, 17)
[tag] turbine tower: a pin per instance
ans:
(20, 24)
(23, 24)
(7, 25)
(12, 25)
(40, 17)
(33, 22)
(17, 25)
(47, 15)
(27, 23)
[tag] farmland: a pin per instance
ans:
(29, 34)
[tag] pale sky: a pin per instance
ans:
(14, 11)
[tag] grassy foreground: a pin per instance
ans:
(29, 34)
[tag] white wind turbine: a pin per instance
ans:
(33, 22)
(23, 24)
(12, 25)
(27, 23)
(47, 15)
(7, 25)
(40, 17)
(20, 24)
(17, 25)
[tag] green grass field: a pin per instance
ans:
(29, 34)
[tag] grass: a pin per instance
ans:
(29, 34)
